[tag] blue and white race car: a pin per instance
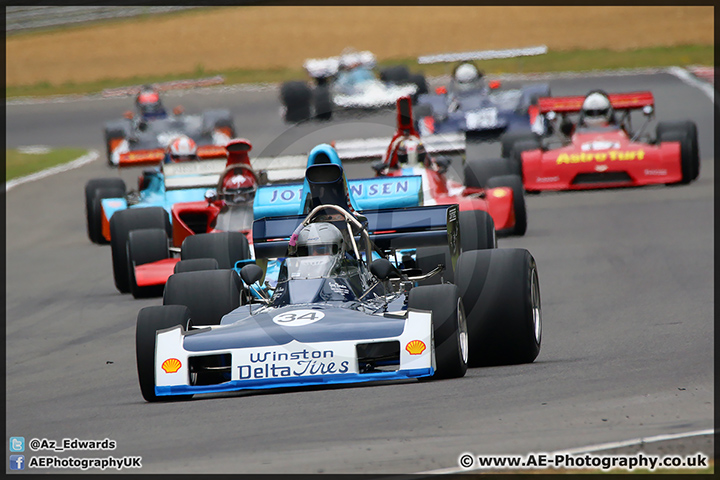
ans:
(469, 104)
(341, 311)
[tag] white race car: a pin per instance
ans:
(347, 81)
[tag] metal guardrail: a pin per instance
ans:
(28, 18)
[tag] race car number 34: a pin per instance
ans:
(298, 318)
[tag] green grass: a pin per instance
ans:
(21, 164)
(554, 61)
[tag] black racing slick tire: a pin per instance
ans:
(419, 80)
(449, 327)
(209, 294)
(477, 230)
(509, 139)
(149, 321)
(515, 183)
(397, 74)
(296, 97)
(196, 265)
(501, 295)
(322, 101)
(225, 247)
(478, 172)
(121, 224)
(92, 187)
(515, 156)
(95, 213)
(685, 132)
(146, 246)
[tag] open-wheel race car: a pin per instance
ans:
(482, 110)
(346, 82)
(113, 214)
(600, 149)
(500, 194)
(151, 129)
(344, 309)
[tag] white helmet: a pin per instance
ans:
(319, 239)
(596, 109)
(466, 73)
(182, 148)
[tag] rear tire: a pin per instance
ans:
(146, 246)
(95, 213)
(516, 152)
(323, 103)
(515, 183)
(509, 139)
(208, 294)
(478, 172)
(297, 99)
(149, 321)
(501, 295)
(449, 327)
(477, 230)
(397, 74)
(121, 224)
(225, 247)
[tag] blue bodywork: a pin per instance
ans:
(364, 194)
(482, 111)
(153, 195)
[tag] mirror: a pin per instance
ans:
(381, 268)
(648, 109)
(251, 273)
(211, 195)
(550, 116)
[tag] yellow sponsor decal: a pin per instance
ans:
(416, 347)
(612, 155)
(171, 365)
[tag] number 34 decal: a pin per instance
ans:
(298, 318)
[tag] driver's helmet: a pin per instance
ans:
(182, 149)
(410, 152)
(596, 110)
(238, 186)
(319, 239)
(467, 77)
(148, 104)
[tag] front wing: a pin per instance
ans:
(295, 363)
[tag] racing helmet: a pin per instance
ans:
(466, 76)
(238, 186)
(411, 152)
(182, 149)
(148, 103)
(596, 109)
(319, 239)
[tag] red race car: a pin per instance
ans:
(600, 150)
(227, 213)
(501, 196)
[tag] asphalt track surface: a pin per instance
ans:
(626, 278)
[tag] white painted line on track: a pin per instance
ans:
(592, 448)
(91, 156)
(691, 80)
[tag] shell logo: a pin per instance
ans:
(171, 365)
(601, 168)
(499, 192)
(416, 347)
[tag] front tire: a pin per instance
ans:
(208, 294)
(95, 190)
(477, 230)
(519, 207)
(146, 246)
(225, 247)
(149, 321)
(449, 327)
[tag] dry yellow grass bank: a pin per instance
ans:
(226, 38)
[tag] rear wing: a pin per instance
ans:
(155, 156)
(327, 67)
(388, 229)
(619, 101)
(483, 55)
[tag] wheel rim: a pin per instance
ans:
(535, 304)
(462, 331)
